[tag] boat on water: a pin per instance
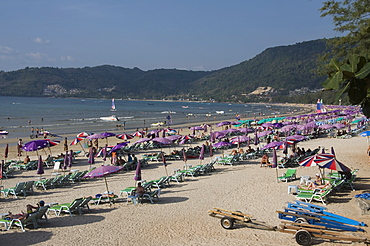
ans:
(185, 106)
(113, 108)
(4, 132)
(157, 124)
(110, 118)
(168, 112)
(220, 112)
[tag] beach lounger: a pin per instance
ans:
(318, 195)
(149, 196)
(103, 199)
(32, 219)
(178, 177)
(126, 191)
(289, 175)
(85, 204)
(44, 184)
(17, 190)
(28, 187)
(67, 207)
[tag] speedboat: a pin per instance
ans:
(157, 124)
(4, 133)
(110, 118)
(220, 112)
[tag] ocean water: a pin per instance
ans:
(70, 116)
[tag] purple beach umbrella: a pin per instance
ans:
(103, 171)
(118, 146)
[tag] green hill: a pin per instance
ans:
(283, 68)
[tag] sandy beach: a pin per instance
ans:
(179, 216)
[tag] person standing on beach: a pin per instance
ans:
(19, 147)
(65, 144)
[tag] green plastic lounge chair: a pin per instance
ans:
(9, 173)
(154, 194)
(127, 191)
(17, 190)
(6, 223)
(178, 177)
(289, 175)
(85, 204)
(28, 187)
(44, 184)
(103, 199)
(161, 183)
(67, 207)
(32, 219)
(319, 195)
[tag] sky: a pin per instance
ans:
(193, 35)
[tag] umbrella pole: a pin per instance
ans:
(106, 184)
(165, 168)
(82, 148)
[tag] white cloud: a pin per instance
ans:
(67, 58)
(6, 50)
(39, 40)
(36, 55)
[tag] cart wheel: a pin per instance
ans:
(227, 222)
(303, 237)
(301, 220)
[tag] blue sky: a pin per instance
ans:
(151, 34)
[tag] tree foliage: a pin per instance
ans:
(348, 71)
(351, 18)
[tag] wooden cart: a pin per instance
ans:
(304, 233)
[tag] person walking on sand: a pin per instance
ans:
(65, 144)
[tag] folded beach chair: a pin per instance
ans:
(67, 207)
(289, 175)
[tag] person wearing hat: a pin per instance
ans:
(32, 209)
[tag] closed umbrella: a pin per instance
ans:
(6, 152)
(210, 150)
(40, 166)
(275, 164)
(91, 157)
(138, 171)
(1, 170)
(70, 159)
(66, 161)
(201, 154)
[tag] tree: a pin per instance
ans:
(349, 70)
(350, 17)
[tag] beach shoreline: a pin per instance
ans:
(179, 216)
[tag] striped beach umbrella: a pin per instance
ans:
(124, 136)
